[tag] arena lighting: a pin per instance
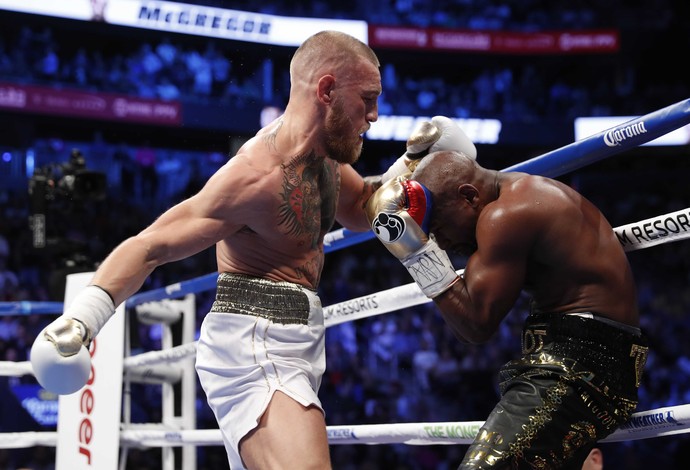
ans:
(587, 126)
(398, 128)
(187, 18)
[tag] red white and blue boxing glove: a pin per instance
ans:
(399, 214)
(441, 133)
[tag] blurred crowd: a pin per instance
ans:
(513, 15)
(171, 68)
(403, 366)
(399, 367)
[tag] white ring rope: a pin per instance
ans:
(665, 228)
(654, 423)
(15, 369)
(646, 233)
(659, 422)
(166, 356)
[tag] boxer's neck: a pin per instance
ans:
(497, 186)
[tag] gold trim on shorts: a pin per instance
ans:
(279, 302)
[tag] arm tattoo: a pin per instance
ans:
(330, 187)
(371, 184)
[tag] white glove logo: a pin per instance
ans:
(388, 227)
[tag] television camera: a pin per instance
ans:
(55, 186)
(59, 194)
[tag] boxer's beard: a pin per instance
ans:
(341, 145)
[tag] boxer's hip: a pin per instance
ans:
(279, 302)
(608, 355)
(259, 337)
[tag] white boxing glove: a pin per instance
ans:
(60, 361)
(59, 356)
(441, 133)
(452, 138)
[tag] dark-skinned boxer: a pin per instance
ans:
(583, 353)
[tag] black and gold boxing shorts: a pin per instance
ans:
(575, 384)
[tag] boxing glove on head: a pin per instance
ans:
(441, 133)
(452, 138)
(422, 138)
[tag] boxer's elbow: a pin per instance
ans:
(468, 329)
(478, 333)
(467, 323)
(484, 326)
(480, 336)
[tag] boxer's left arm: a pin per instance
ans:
(494, 275)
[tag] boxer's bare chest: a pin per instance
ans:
(307, 198)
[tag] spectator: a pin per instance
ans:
(423, 362)
(8, 278)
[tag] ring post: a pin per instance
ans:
(89, 419)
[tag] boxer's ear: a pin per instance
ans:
(469, 193)
(325, 86)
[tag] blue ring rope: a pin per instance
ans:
(563, 160)
(596, 147)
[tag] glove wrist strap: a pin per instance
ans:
(92, 307)
(398, 168)
(431, 269)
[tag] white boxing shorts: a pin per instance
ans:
(259, 337)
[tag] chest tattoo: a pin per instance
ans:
(309, 196)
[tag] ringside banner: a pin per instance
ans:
(184, 18)
(587, 126)
(88, 104)
(489, 42)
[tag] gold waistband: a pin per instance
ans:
(279, 302)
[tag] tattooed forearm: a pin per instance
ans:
(371, 184)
